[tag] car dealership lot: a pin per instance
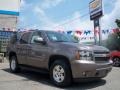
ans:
(28, 80)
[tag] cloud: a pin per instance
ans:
(39, 10)
(50, 3)
(41, 15)
(76, 22)
(48, 23)
(81, 22)
(108, 20)
(72, 23)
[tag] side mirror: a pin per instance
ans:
(39, 40)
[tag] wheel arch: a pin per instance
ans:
(115, 57)
(12, 53)
(58, 57)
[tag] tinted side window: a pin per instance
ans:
(13, 39)
(25, 38)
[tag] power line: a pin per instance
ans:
(70, 21)
(106, 5)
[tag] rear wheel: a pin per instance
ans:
(60, 73)
(116, 61)
(14, 67)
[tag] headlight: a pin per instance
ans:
(86, 55)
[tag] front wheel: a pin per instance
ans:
(60, 73)
(14, 64)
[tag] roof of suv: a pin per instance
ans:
(37, 30)
(22, 32)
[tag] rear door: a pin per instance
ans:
(23, 48)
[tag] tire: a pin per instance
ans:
(14, 67)
(116, 61)
(60, 73)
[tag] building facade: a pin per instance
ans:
(9, 13)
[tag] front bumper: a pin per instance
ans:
(89, 69)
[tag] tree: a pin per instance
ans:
(113, 41)
(118, 22)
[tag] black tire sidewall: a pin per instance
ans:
(114, 61)
(68, 79)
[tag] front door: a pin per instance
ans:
(38, 52)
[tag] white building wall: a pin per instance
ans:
(8, 21)
(10, 5)
(9, 13)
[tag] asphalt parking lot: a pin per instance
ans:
(28, 80)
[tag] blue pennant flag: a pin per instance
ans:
(87, 32)
(107, 31)
(104, 31)
(69, 32)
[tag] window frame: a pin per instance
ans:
(29, 37)
(36, 32)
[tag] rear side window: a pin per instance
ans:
(25, 38)
(13, 38)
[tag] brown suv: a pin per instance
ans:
(59, 54)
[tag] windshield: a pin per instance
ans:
(59, 37)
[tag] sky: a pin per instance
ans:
(65, 14)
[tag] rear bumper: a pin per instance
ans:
(88, 69)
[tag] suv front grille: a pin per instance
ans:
(101, 57)
(101, 52)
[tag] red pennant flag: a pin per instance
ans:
(79, 32)
(116, 30)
